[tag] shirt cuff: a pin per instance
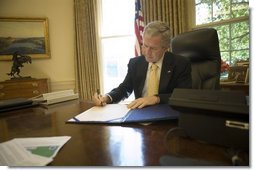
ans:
(111, 100)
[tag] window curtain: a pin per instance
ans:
(86, 53)
(169, 11)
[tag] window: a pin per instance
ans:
(231, 19)
(117, 40)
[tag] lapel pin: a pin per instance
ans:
(169, 71)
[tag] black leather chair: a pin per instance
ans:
(202, 48)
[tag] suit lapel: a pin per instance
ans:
(166, 71)
(142, 70)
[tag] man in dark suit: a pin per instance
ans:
(172, 71)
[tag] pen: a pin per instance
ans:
(99, 96)
(98, 91)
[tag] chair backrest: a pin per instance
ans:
(202, 48)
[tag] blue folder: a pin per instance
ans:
(147, 114)
(151, 113)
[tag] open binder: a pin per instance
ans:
(119, 113)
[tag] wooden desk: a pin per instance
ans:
(101, 144)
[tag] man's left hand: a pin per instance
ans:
(144, 101)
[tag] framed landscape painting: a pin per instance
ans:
(25, 36)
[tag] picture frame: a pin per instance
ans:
(27, 36)
(239, 74)
(247, 76)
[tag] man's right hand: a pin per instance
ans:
(100, 100)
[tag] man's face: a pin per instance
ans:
(152, 48)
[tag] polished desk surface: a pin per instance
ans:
(102, 144)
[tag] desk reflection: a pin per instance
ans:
(99, 144)
(126, 145)
(28, 123)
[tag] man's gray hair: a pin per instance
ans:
(156, 28)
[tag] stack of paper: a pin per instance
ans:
(56, 97)
(30, 151)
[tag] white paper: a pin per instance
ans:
(53, 143)
(102, 113)
(30, 151)
(13, 154)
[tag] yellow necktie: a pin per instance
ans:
(153, 82)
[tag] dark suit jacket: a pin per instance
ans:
(175, 73)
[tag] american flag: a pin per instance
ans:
(139, 27)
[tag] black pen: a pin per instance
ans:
(99, 96)
(98, 91)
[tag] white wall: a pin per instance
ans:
(60, 67)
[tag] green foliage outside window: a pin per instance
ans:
(230, 19)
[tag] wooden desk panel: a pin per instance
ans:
(101, 144)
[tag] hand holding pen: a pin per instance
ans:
(98, 99)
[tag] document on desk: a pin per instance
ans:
(30, 151)
(119, 113)
(13, 154)
(106, 113)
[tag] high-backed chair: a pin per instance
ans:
(202, 48)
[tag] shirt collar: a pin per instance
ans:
(158, 63)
